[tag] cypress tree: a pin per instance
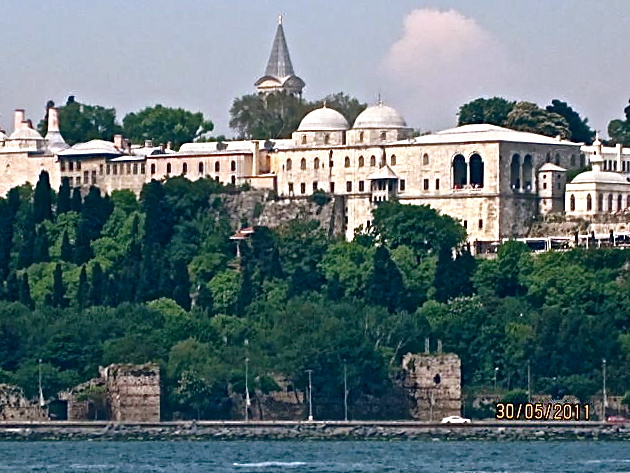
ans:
(158, 224)
(66, 248)
(12, 288)
(77, 201)
(42, 199)
(25, 292)
(25, 252)
(385, 285)
(98, 288)
(40, 246)
(64, 203)
(58, 298)
(181, 284)
(83, 289)
(6, 238)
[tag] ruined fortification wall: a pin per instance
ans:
(133, 392)
(14, 406)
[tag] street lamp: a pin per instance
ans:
(41, 393)
(529, 381)
(247, 401)
(496, 371)
(345, 393)
(604, 400)
(310, 396)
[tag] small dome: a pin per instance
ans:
(380, 116)
(25, 134)
(324, 119)
(599, 177)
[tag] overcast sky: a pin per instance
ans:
(425, 57)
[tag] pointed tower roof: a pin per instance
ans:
(279, 64)
(279, 74)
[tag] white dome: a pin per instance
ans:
(380, 116)
(25, 134)
(600, 177)
(324, 119)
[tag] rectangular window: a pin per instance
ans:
(480, 224)
(332, 187)
(128, 168)
(465, 223)
(86, 176)
(290, 188)
(78, 165)
(314, 186)
(108, 169)
(348, 186)
(70, 165)
(135, 168)
(544, 185)
(302, 188)
(94, 176)
(361, 186)
(78, 180)
(437, 184)
(62, 165)
(425, 184)
(100, 169)
(403, 184)
(143, 168)
(115, 169)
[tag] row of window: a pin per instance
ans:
(600, 202)
(135, 168)
(479, 224)
(376, 185)
(347, 162)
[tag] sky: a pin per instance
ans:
(424, 58)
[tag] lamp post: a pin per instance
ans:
(529, 381)
(247, 402)
(604, 400)
(496, 371)
(41, 393)
(310, 396)
(345, 393)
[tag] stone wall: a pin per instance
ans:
(14, 406)
(434, 381)
(133, 392)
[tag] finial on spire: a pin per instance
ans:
(280, 18)
(379, 101)
(324, 103)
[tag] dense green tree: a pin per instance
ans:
(6, 238)
(42, 199)
(67, 252)
(58, 296)
(25, 292)
(579, 129)
(158, 224)
(619, 130)
(12, 289)
(494, 111)
(76, 203)
(529, 117)
(385, 285)
(164, 124)
(98, 286)
(41, 246)
(79, 122)
(83, 289)
(348, 106)
(63, 198)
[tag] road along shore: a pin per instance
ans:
(317, 430)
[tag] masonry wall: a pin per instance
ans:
(17, 168)
(133, 392)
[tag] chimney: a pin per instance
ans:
(169, 145)
(148, 143)
(25, 125)
(118, 141)
(53, 120)
(18, 118)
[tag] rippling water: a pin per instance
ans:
(333, 457)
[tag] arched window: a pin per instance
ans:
(572, 160)
(361, 136)
(233, 180)
(168, 168)
(326, 138)
(582, 160)
(316, 163)
(184, 168)
(372, 161)
(383, 135)
(233, 166)
(610, 202)
(393, 160)
(361, 161)
(425, 159)
(600, 202)
(572, 203)
(289, 164)
(476, 171)
(548, 158)
(153, 168)
(589, 203)
(515, 172)
(303, 139)
(200, 167)
(217, 166)
(557, 159)
(460, 178)
(346, 162)
(303, 164)
(528, 174)
(619, 202)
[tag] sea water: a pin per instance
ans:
(318, 456)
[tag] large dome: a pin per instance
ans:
(25, 134)
(600, 177)
(380, 116)
(324, 119)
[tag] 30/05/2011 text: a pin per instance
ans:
(543, 411)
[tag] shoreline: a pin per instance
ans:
(316, 430)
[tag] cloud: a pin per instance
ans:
(442, 60)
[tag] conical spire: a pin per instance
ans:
(279, 64)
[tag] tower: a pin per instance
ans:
(279, 75)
